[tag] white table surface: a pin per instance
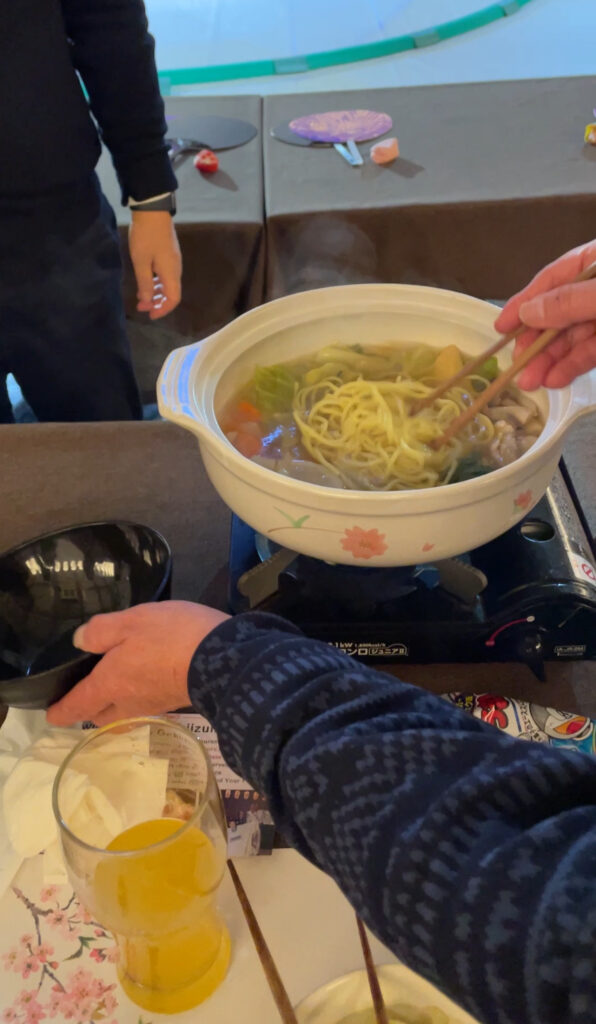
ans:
(307, 923)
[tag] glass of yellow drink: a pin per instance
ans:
(144, 839)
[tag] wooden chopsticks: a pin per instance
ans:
(497, 385)
(542, 341)
(470, 367)
(373, 980)
(282, 1001)
(276, 985)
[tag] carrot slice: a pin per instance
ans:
(249, 428)
(247, 445)
(249, 412)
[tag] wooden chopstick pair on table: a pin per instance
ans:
(276, 985)
(497, 385)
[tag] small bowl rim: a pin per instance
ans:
(85, 526)
(40, 677)
(387, 972)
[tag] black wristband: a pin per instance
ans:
(166, 204)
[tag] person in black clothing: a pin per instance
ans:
(62, 328)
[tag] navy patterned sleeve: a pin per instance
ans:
(471, 854)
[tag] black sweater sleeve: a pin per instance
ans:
(470, 853)
(114, 54)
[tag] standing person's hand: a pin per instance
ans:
(551, 300)
(147, 651)
(157, 262)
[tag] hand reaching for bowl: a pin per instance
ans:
(550, 300)
(147, 652)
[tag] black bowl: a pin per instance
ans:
(51, 585)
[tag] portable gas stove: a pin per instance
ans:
(529, 595)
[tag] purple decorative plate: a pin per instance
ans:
(342, 125)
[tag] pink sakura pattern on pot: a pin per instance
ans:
(523, 500)
(363, 543)
(56, 987)
(359, 542)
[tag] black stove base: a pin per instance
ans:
(529, 595)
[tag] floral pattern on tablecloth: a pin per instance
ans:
(56, 962)
(531, 722)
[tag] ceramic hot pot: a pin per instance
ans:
(359, 527)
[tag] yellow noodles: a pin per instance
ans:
(341, 416)
(363, 431)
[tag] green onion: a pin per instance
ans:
(468, 469)
(490, 369)
(273, 389)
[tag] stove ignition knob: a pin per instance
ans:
(531, 650)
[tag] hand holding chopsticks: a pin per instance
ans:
(497, 385)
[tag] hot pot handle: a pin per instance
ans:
(175, 398)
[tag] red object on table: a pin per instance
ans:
(206, 161)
